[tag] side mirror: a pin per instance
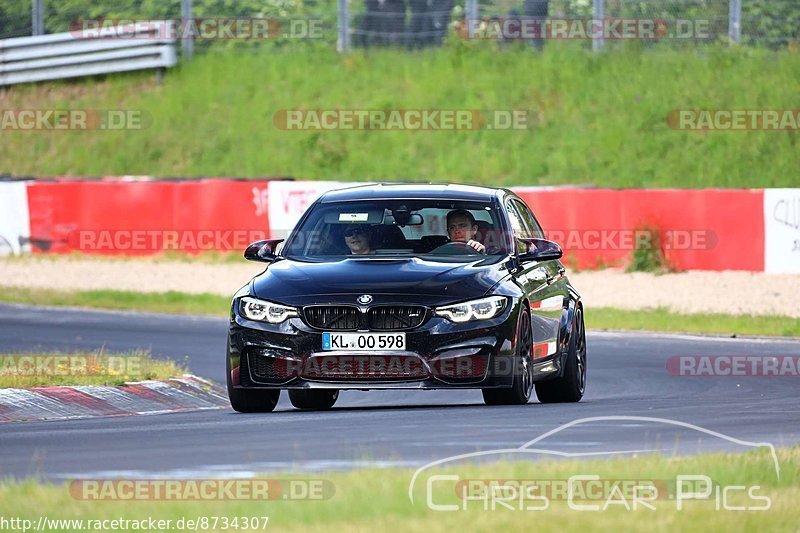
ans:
(262, 251)
(541, 250)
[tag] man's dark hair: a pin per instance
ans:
(461, 213)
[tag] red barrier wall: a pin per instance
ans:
(713, 229)
(146, 216)
(702, 229)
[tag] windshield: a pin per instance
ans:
(436, 228)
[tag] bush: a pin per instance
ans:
(649, 256)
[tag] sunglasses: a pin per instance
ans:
(355, 231)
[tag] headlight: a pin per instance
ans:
(482, 309)
(263, 311)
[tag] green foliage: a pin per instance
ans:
(764, 22)
(15, 18)
(773, 23)
(648, 254)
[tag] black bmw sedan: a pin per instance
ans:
(408, 287)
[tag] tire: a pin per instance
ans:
(250, 400)
(522, 385)
(571, 386)
(320, 399)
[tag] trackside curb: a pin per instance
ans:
(180, 394)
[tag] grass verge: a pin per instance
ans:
(155, 302)
(25, 370)
(596, 318)
(666, 320)
(595, 118)
(377, 499)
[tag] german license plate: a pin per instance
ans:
(363, 341)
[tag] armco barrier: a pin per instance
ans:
(711, 229)
(66, 55)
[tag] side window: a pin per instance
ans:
(515, 219)
(517, 225)
(534, 229)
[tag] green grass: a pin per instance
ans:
(377, 499)
(156, 302)
(598, 118)
(25, 370)
(596, 318)
(665, 320)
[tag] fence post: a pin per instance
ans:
(37, 17)
(187, 45)
(471, 9)
(734, 21)
(343, 42)
(599, 13)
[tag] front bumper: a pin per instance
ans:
(438, 354)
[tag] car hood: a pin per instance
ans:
(422, 281)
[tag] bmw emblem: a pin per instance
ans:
(364, 299)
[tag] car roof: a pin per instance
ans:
(409, 191)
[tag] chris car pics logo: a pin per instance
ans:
(586, 491)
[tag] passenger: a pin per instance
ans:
(358, 240)
(461, 227)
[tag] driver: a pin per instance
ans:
(359, 240)
(461, 227)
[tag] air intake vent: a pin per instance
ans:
(333, 317)
(396, 317)
(350, 318)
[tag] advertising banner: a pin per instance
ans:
(782, 230)
(288, 201)
(14, 220)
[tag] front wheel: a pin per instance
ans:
(314, 399)
(571, 386)
(250, 400)
(522, 384)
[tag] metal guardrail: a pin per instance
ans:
(67, 55)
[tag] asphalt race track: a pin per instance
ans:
(627, 377)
